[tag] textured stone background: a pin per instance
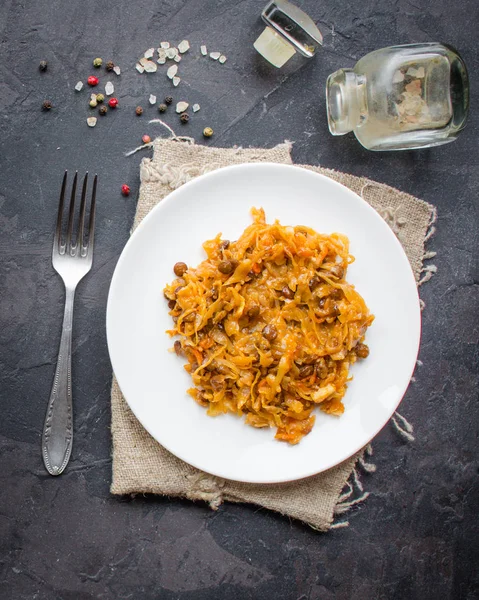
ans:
(66, 538)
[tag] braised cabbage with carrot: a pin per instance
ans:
(269, 325)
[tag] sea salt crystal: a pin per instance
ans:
(184, 46)
(171, 53)
(215, 55)
(172, 71)
(176, 81)
(140, 68)
(177, 58)
(222, 59)
(196, 107)
(420, 73)
(152, 99)
(79, 86)
(165, 45)
(109, 88)
(398, 77)
(149, 53)
(181, 107)
(150, 67)
(162, 60)
(91, 121)
(203, 50)
(116, 70)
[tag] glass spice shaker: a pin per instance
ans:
(402, 97)
(289, 30)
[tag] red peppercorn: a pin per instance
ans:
(113, 102)
(146, 139)
(125, 189)
(92, 80)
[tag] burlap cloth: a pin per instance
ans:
(140, 464)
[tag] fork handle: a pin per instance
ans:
(58, 428)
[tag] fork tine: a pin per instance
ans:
(79, 241)
(71, 213)
(91, 226)
(57, 242)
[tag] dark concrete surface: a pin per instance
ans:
(67, 538)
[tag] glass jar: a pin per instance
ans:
(402, 97)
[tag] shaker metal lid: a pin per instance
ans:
(294, 25)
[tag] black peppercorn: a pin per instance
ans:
(162, 107)
(168, 100)
(47, 105)
(139, 111)
(43, 65)
(102, 110)
(109, 65)
(184, 118)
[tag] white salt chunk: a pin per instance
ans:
(398, 77)
(143, 61)
(420, 73)
(203, 50)
(222, 59)
(196, 107)
(165, 45)
(109, 88)
(171, 53)
(161, 53)
(116, 70)
(152, 99)
(149, 53)
(93, 97)
(79, 86)
(177, 58)
(150, 67)
(184, 46)
(140, 68)
(215, 55)
(91, 121)
(181, 107)
(162, 60)
(176, 81)
(172, 71)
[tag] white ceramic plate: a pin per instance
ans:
(153, 380)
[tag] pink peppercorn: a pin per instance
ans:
(125, 189)
(92, 80)
(146, 139)
(113, 102)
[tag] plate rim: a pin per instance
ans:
(167, 200)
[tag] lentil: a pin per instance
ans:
(180, 269)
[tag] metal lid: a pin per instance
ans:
(294, 25)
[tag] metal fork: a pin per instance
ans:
(72, 259)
